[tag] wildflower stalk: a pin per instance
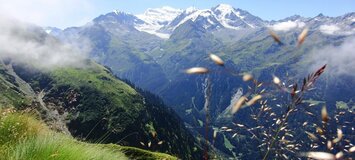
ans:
(296, 100)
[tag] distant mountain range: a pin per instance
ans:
(163, 21)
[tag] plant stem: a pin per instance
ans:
(276, 135)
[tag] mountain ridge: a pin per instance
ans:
(72, 100)
(163, 21)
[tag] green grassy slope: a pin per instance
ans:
(10, 94)
(93, 105)
(23, 137)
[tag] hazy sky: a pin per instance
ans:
(65, 13)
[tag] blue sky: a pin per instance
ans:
(65, 13)
(266, 9)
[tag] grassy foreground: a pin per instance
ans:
(23, 137)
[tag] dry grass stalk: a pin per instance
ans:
(276, 140)
(339, 155)
(214, 134)
(247, 77)
(276, 80)
(339, 136)
(238, 104)
(324, 114)
(216, 59)
(254, 100)
(318, 155)
(352, 149)
(197, 70)
(235, 134)
(312, 136)
(329, 145)
(319, 130)
(239, 125)
(275, 37)
(302, 36)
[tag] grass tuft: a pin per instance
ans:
(59, 147)
(15, 127)
(23, 137)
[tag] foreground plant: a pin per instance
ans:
(274, 105)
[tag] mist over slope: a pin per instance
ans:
(28, 43)
(79, 97)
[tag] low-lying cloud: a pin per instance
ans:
(333, 29)
(25, 43)
(286, 26)
(340, 59)
(329, 29)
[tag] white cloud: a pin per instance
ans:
(329, 29)
(286, 26)
(24, 43)
(47, 12)
(340, 59)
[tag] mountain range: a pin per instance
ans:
(163, 21)
(153, 49)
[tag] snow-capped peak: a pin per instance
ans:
(223, 11)
(167, 19)
(224, 8)
(235, 18)
(226, 14)
(194, 14)
(117, 12)
(190, 10)
(221, 16)
(156, 18)
(159, 15)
